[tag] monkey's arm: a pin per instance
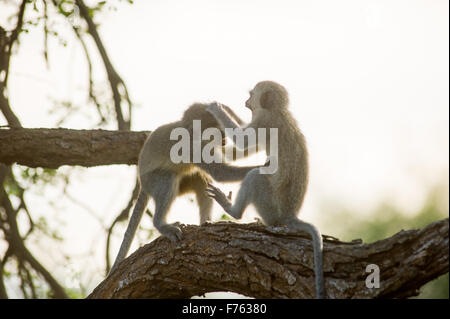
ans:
(233, 129)
(221, 115)
(222, 172)
(233, 115)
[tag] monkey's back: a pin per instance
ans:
(291, 179)
(155, 153)
(158, 145)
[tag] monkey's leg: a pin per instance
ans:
(163, 187)
(205, 205)
(198, 183)
(257, 189)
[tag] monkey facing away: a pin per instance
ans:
(164, 180)
(277, 197)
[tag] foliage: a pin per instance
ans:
(17, 263)
(386, 220)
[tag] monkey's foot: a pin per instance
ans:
(219, 197)
(172, 232)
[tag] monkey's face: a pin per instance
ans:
(251, 102)
(267, 95)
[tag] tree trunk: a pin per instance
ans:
(269, 262)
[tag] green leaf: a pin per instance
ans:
(225, 217)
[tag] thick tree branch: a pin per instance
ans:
(53, 148)
(267, 262)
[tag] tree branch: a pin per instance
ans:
(268, 262)
(3, 293)
(13, 37)
(6, 44)
(115, 80)
(21, 252)
(53, 148)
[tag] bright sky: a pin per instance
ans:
(368, 82)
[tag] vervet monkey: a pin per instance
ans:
(163, 180)
(277, 197)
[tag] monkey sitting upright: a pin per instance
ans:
(277, 197)
(163, 180)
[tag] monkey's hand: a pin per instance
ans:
(219, 197)
(215, 108)
(221, 115)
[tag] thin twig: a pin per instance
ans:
(115, 80)
(6, 44)
(46, 33)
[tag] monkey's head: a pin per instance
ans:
(268, 95)
(198, 111)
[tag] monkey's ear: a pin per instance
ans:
(270, 100)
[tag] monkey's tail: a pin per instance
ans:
(318, 252)
(136, 216)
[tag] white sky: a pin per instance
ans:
(368, 82)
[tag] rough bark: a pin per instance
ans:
(268, 262)
(52, 148)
